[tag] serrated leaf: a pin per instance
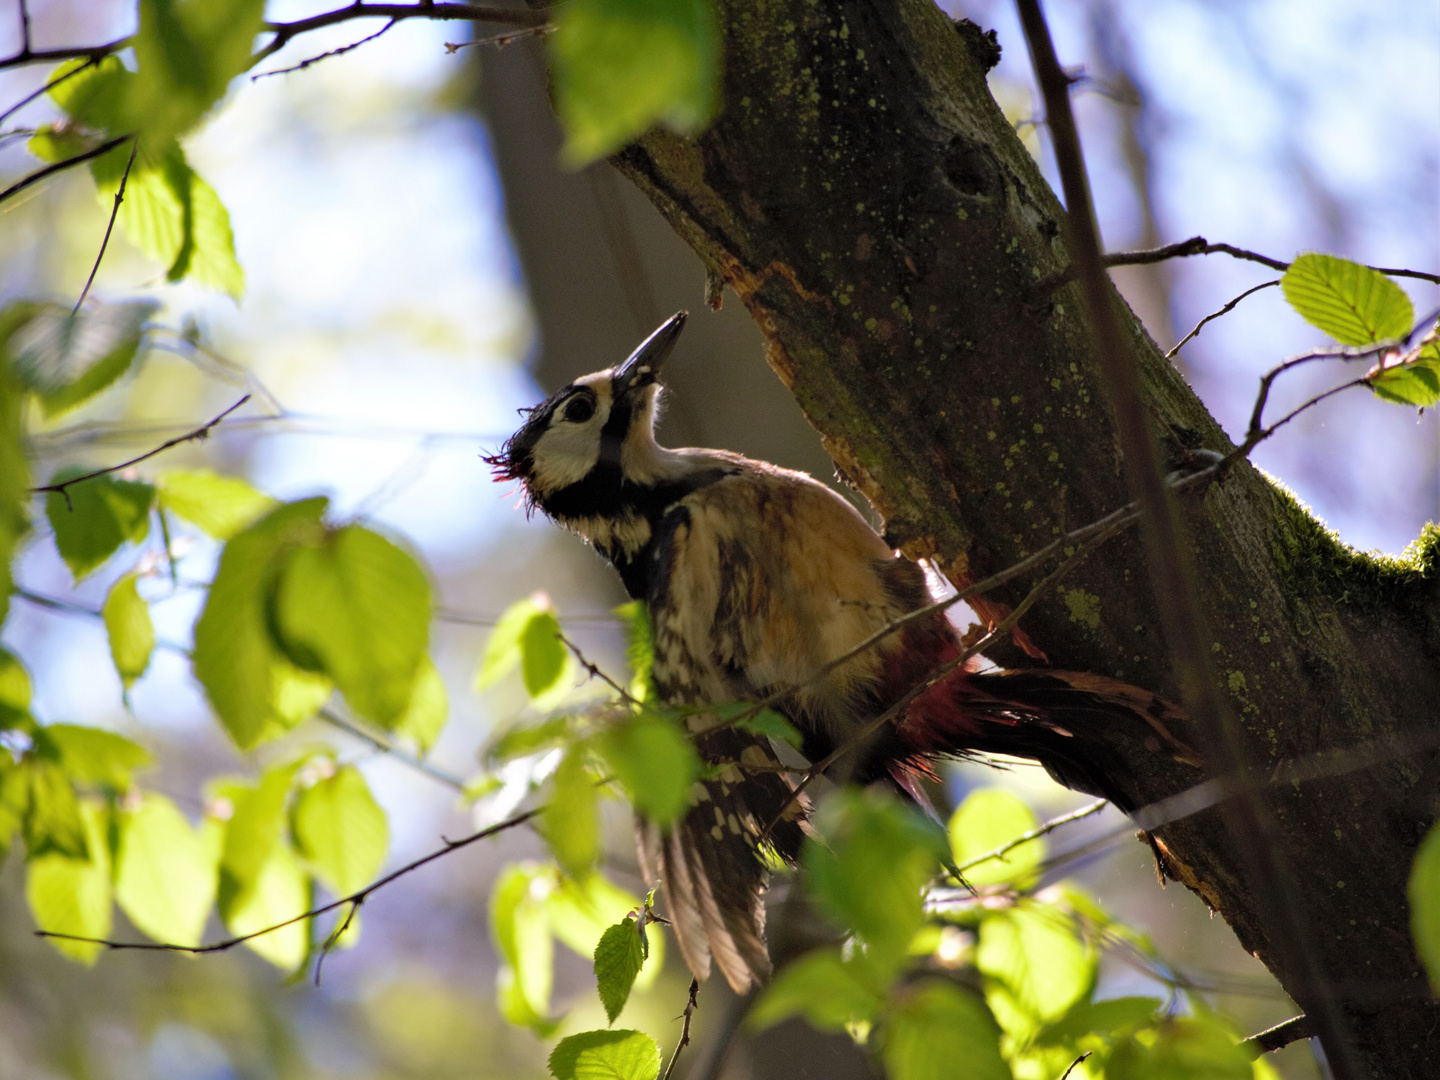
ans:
(99, 516)
(606, 1055)
(580, 911)
(937, 1031)
(619, 956)
(570, 822)
(66, 358)
(1416, 380)
(235, 658)
(72, 895)
(221, 506)
(52, 820)
(166, 871)
(356, 607)
(342, 831)
(1035, 965)
(654, 761)
(424, 717)
(130, 629)
(520, 926)
(822, 987)
(1352, 303)
(1424, 894)
(987, 820)
(92, 756)
(623, 65)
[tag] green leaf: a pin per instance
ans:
(65, 359)
(356, 607)
(1185, 1048)
(989, 819)
(877, 856)
(1424, 893)
(97, 97)
(639, 648)
(937, 1031)
(235, 658)
(523, 740)
(770, 723)
(14, 467)
(655, 762)
(619, 955)
(542, 654)
(580, 911)
(220, 506)
(828, 991)
(1099, 1017)
(72, 895)
(1352, 303)
(520, 926)
(606, 1055)
(278, 892)
(99, 516)
(1415, 380)
(502, 648)
(15, 690)
(623, 65)
(1035, 965)
(166, 871)
(58, 142)
(342, 831)
(92, 756)
(52, 820)
(261, 881)
(424, 718)
(571, 819)
(132, 634)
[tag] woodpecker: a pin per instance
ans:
(757, 579)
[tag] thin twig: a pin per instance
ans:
(690, 1007)
(1066, 1074)
(78, 52)
(1248, 819)
(109, 227)
(1281, 1035)
(342, 50)
(1198, 245)
(41, 91)
(24, 26)
(596, 673)
(1034, 834)
(60, 166)
(339, 722)
(284, 32)
(1216, 314)
(500, 40)
(334, 937)
(355, 898)
(198, 434)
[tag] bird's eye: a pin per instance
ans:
(579, 408)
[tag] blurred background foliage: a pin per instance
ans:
(418, 261)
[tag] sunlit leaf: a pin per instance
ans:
(424, 717)
(15, 690)
(98, 97)
(342, 831)
(571, 820)
(989, 819)
(581, 910)
(52, 820)
(72, 895)
(1352, 303)
(606, 1055)
(1106, 1017)
(1416, 381)
(256, 827)
(65, 359)
(1035, 965)
(92, 756)
(622, 65)
(520, 926)
(770, 723)
(219, 505)
(279, 891)
(654, 761)
(502, 648)
(542, 654)
(131, 632)
(619, 956)
(1424, 892)
(97, 517)
(937, 1031)
(356, 607)
(235, 658)
(166, 871)
(828, 991)
(1197, 1047)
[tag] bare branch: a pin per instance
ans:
(1071, 1068)
(1198, 245)
(340, 723)
(341, 51)
(1216, 314)
(286, 31)
(59, 166)
(690, 1007)
(500, 40)
(1281, 1035)
(109, 227)
(198, 434)
(28, 98)
(92, 53)
(1034, 834)
(596, 673)
(355, 899)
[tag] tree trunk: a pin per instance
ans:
(866, 199)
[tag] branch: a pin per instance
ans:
(355, 898)
(339, 722)
(1249, 821)
(1071, 1068)
(690, 1007)
(1034, 834)
(1216, 314)
(596, 673)
(284, 32)
(109, 228)
(1281, 1035)
(59, 166)
(1198, 245)
(199, 433)
(92, 53)
(341, 51)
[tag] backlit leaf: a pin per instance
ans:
(828, 991)
(15, 690)
(1352, 303)
(166, 871)
(571, 820)
(1106, 1017)
(221, 506)
(99, 515)
(770, 723)
(542, 653)
(502, 648)
(72, 895)
(342, 831)
(1035, 965)
(619, 956)
(92, 756)
(279, 891)
(1414, 382)
(52, 820)
(654, 761)
(606, 1055)
(580, 911)
(937, 1031)
(66, 359)
(623, 65)
(989, 819)
(256, 827)
(98, 97)
(520, 926)
(131, 632)
(429, 707)
(1197, 1047)
(356, 607)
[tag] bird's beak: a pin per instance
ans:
(643, 365)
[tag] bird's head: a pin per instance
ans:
(599, 429)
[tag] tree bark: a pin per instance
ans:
(863, 195)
